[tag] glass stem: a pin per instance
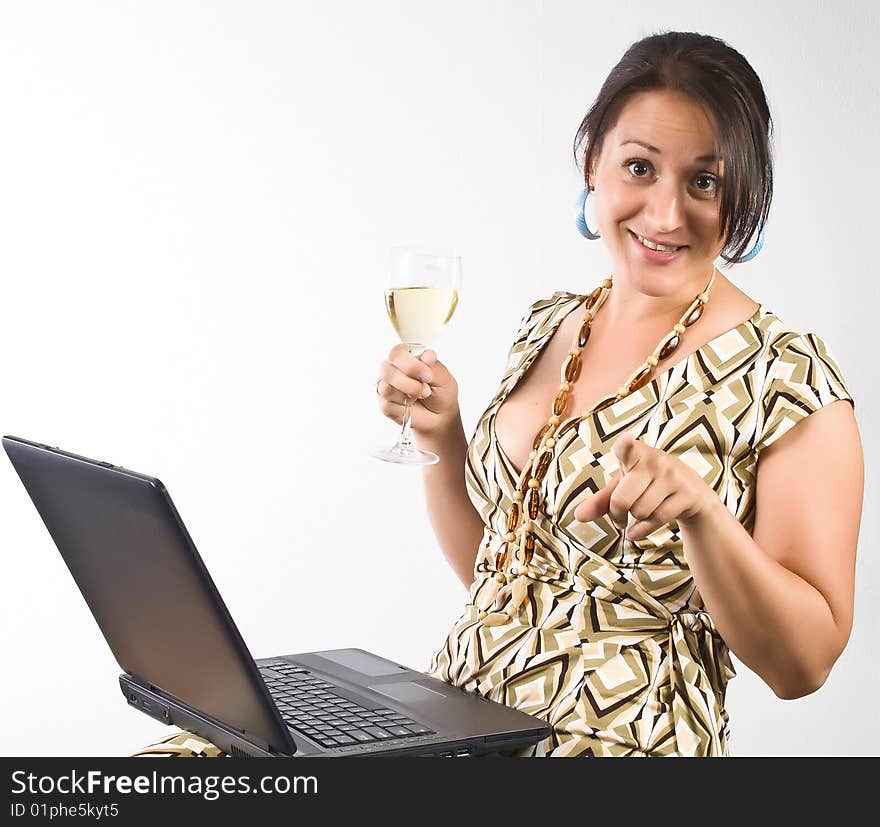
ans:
(405, 443)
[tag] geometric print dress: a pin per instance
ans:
(612, 645)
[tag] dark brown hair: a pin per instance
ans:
(721, 80)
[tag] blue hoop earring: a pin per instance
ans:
(579, 218)
(751, 253)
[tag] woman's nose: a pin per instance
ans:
(665, 207)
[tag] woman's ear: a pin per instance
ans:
(590, 177)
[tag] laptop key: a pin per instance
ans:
(399, 730)
(378, 732)
(344, 739)
(418, 729)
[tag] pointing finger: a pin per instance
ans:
(595, 506)
(628, 451)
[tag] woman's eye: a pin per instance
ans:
(706, 183)
(641, 169)
(637, 168)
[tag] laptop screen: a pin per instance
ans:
(145, 583)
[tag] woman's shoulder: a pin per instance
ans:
(796, 374)
(554, 300)
(545, 311)
(784, 341)
(538, 322)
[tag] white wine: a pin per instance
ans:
(419, 313)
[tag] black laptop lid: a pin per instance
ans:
(147, 587)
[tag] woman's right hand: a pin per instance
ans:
(431, 388)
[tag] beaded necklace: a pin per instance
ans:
(527, 502)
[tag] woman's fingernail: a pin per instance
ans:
(425, 393)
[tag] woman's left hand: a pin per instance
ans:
(653, 486)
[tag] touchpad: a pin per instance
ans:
(407, 692)
(362, 662)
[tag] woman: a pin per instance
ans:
(667, 472)
(608, 515)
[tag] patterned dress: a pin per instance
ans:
(613, 646)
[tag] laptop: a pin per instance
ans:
(185, 663)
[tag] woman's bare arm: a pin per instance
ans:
(782, 599)
(456, 523)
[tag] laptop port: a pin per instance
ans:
(463, 753)
(444, 755)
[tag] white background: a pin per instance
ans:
(196, 204)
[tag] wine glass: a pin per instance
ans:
(421, 295)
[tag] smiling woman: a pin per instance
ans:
(659, 197)
(626, 550)
(720, 101)
(666, 472)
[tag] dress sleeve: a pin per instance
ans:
(803, 378)
(530, 326)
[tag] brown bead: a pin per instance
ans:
(605, 403)
(584, 334)
(530, 548)
(670, 346)
(572, 368)
(543, 465)
(697, 312)
(593, 298)
(560, 403)
(534, 502)
(513, 517)
(540, 437)
(640, 379)
(501, 558)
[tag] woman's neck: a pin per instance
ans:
(627, 308)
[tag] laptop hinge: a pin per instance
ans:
(221, 725)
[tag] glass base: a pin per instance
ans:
(405, 456)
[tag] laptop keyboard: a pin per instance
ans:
(311, 706)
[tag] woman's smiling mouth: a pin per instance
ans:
(653, 251)
(656, 245)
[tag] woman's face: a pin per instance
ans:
(656, 177)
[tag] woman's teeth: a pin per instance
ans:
(652, 246)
